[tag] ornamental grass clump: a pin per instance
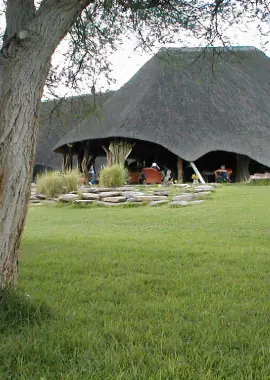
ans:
(54, 183)
(71, 180)
(113, 176)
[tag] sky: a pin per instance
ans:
(126, 61)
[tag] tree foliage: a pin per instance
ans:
(93, 29)
(99, 29)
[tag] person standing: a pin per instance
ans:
(93, 173)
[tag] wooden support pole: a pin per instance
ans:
(180, 176)
(80, 159)
(64, 159)
(197, 172)
(67, 160)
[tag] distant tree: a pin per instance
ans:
(33, 31)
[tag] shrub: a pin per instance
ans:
(260, 182)
(71, 180)
(53, 184)
(111, 176)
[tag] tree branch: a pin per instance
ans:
(58, 16)
(18, 15)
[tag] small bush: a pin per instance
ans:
(260, 182)
(71, 179)
(50, 184)
(53, 184)
(112, 176)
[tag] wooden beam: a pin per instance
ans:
(80, 159)
(180, 175)
(67, 160)
(64, 159)
(84, 163)
(197, 172)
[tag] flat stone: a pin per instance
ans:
(184, 197)
(107, 194)
(124, 188)
(89, 196)
(165, 193)
(88, 190)
(149, 198)
(84, 189)
(203, 188)
(181, 185)
(202, 194)
(197, 202)
(104, 189)
(114, 199)
(132, 200)
(178, 203)
(158, 203)
(101, 203)
(260, 176)
(95, 189)
(68, 197)
(73, 192)
(41, 196)
(131, 194)
(83, 201)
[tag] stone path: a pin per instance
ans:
(174, 196)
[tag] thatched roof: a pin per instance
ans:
(191, 102)
(57, 118)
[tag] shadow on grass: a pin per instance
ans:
(18, 310)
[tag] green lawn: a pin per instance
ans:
(143, 293)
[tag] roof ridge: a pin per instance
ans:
(187, 49)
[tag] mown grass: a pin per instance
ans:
(143, 293)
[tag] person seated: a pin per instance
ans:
(223, 174)
(155, 166)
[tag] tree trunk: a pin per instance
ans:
(180, 176)
(20, 99)
(85, 163)
(242, 164)
(68, 163)
(24, 65)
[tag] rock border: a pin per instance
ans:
(173, 196)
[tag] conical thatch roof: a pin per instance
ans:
(191, 102)
(57, 118)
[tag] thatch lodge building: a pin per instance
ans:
(57, 118)
(207, 106)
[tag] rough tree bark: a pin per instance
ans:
(242, 164)
(30, 40)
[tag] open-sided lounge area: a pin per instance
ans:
(212, 121)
